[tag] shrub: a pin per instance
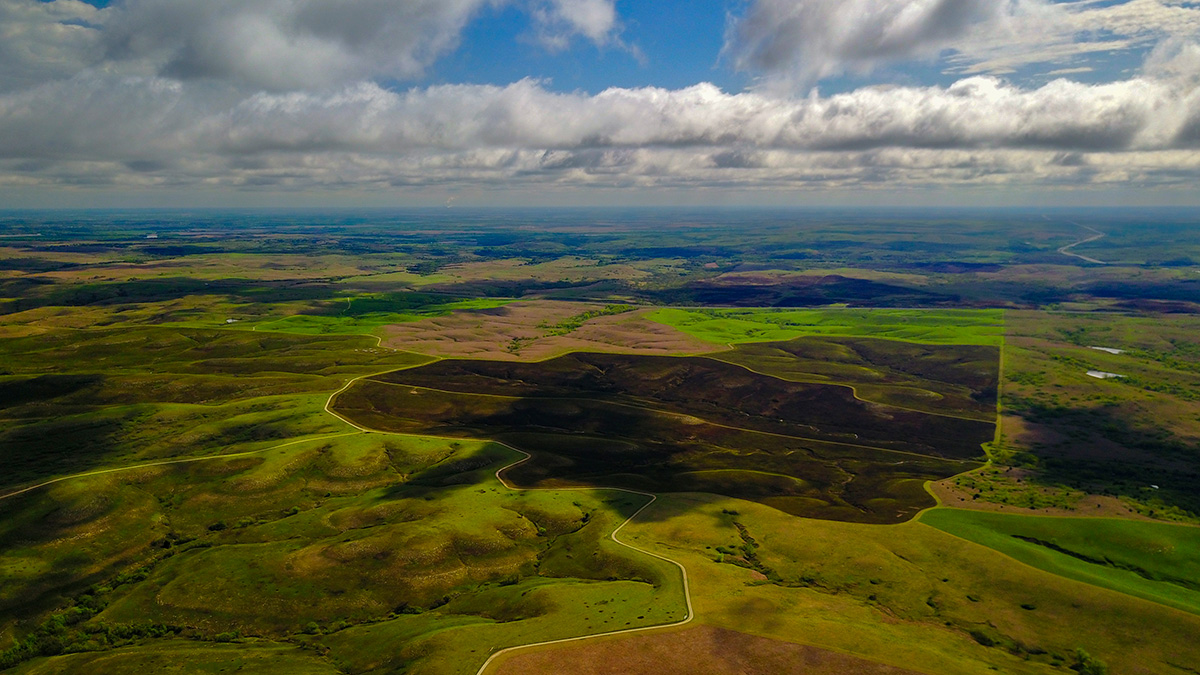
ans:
(1086, 664)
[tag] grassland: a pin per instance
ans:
(298, 506)
(1132, 439)
(732, 326)
(907, 595)
(337, 539)
(170, 655)
(538, 329)
(79, 400)
(704, 649)
(1156, 561)
(368, 314)
(229, 522)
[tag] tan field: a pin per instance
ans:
(703, 650)
(514, 332)
(949, 494)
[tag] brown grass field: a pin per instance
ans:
(703, 650)
(512, 333)
(1100, 506)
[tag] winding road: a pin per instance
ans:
(687, 593)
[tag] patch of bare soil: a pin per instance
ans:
(703, 650)
(1092, 506)
(520, 332)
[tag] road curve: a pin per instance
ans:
(687, 593)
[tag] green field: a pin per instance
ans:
(1156, 561)
(334, 540)
(78, 400)
(908, 594)
(936, 326)
(210, 460)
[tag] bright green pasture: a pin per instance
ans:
(458, 642)
(1155, 561)
(937, 326)
(906, 595)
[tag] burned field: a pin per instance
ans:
(960, 380)
(699, 424)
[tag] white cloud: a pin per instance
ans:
(1079, 31)
(978, 112)
(152, 130)
(264, 44)
(44, 40)
(802, 41)
(1138, 17)
(560, 20)
(286, 94)
(275, 45)
(795, 43)
(283, 44)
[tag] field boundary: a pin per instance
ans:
(1067, 573)
(820, 308)
(853, 389)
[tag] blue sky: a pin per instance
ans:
(675, 44)
(512, 102)
(498, 48)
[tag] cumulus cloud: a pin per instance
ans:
(265, 44)
(155, 128)
(282, 44)
(293, 94)
(981, 112)
(44, 40)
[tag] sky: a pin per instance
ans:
(126, 103)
